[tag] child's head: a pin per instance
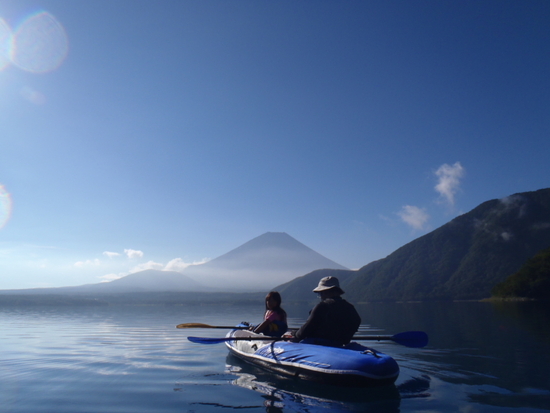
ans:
(272, 300)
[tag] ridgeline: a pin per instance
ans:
(462, 260)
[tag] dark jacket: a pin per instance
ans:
(333, 319)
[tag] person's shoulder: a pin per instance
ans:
(322, 305)
(346, 303)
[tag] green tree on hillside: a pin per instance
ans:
(531, 281)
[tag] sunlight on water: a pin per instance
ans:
(39, 43)
(133, 359)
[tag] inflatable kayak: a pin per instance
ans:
(353, 365)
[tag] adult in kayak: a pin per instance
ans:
(274, 323)
(333, 321)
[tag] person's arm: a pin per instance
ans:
(268, 318)
(262, 326)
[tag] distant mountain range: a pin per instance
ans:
(464, 259)
(258, 265)
(142, 281)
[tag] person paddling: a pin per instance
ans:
(333, 321)
(274, 323)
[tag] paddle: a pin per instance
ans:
(413, 339)
(211, 340)
(200, 325)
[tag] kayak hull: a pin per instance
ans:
(355, 365)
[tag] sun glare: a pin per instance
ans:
(5, 206)
(5, 37)
(39, 44)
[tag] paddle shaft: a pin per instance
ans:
(201, 325)
(408, 338)
(222, 339)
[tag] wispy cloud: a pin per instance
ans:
(449, 181)
(177, 264)
(133, 253)
(149, 265)
(110, 254)
(111, 277)
(414, 216)
(87, 263)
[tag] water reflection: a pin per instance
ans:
(298, 395)
(533, 316)
(481, 359)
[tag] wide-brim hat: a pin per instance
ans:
(328, 283)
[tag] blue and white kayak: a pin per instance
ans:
(354, 365)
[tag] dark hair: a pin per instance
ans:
(277, 297)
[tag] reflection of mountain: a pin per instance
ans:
(298, 395)
(522, 314)
(262, 263)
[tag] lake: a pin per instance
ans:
(482, 357)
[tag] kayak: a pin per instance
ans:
(306, 396)
(353, 365)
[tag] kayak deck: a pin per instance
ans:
(354, 365)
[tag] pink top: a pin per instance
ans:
(271, 315)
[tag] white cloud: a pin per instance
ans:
(133, 253)
(449, 181)
(110, 254)
(414, 216)
(177, 264)
(111, 277)
(507, 236)
(150, 265)
(87, 262)
(541, 225)
(33, 95)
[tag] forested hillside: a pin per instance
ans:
(463, 259)
(531, 281)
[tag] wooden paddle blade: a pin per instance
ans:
(193, 325)
(201, 325)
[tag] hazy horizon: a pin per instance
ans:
(143, 134)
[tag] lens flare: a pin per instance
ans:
(5, 206)
(5, 38)
(39, 44)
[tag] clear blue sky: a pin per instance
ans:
(154, 134)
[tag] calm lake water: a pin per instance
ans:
(481, 358)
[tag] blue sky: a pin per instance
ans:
(155, 134)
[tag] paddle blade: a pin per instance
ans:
(215, 340)
(208, 340)
(193, 325)
(413, 339)
(201, 325)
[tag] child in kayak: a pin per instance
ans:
(274, 323)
